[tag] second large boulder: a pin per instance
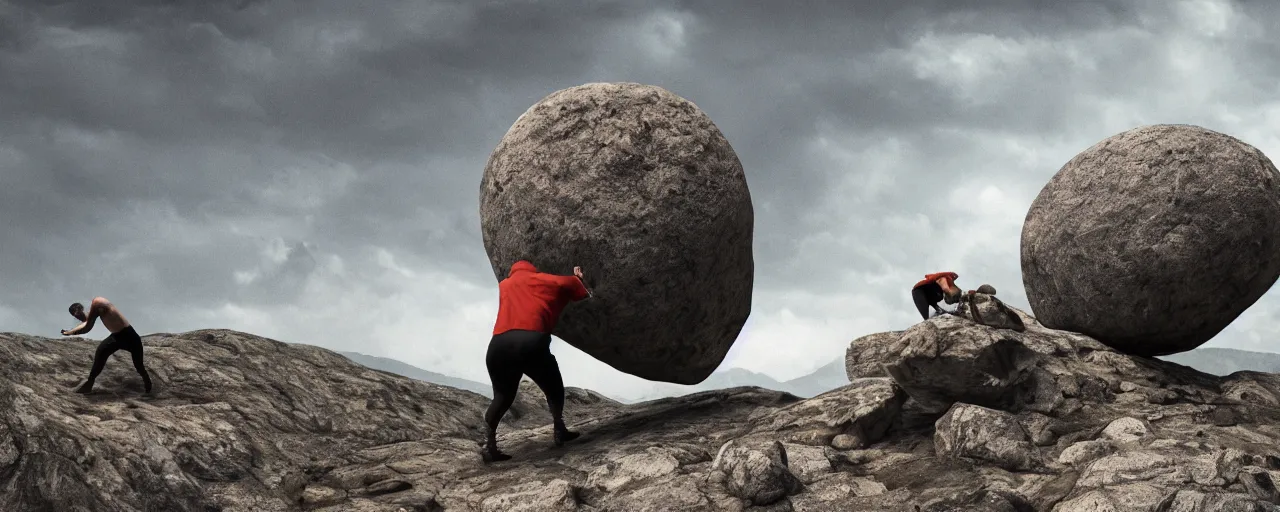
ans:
(637, 186)
(1154, 240)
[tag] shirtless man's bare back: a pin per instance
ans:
(122, 337)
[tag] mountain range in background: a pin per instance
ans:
(1216, 361)
(413, 372)
(1226, 361)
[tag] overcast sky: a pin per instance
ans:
(309, 171)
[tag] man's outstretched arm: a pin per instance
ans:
(577, 285)
(86, 325)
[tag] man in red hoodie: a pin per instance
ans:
(933, 288)
(529, 304)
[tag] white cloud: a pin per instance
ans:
(388, 261)
(975, 64)
(1207, 17)
(245, 277)
(663, 35)
(790, 334)
(427, 318)
(659, 39)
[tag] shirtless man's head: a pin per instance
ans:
(77, 310)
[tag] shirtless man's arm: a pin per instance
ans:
(97, 308)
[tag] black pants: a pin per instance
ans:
(126, 339)
(516, 353)
(926, 296)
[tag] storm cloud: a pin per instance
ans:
(309, 171)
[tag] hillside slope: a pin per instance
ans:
(389, 365)
(972, 418)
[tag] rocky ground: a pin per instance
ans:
(948, 415)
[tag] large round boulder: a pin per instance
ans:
(1154, 240)
(638, 187)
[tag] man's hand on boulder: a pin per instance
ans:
(577, 272)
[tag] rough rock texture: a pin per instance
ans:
(861, 412)
(973, 432)
(986, 309)
(1154, 240)
(939, 367)
(638, 187)
(757, 475)
(867, 354)
(530, 408)
(237, 423)
(1095, 429)
(241, 423)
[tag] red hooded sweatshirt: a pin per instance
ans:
(944, 279)
(532, 301)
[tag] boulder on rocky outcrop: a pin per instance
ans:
(866, 355)
(986, 309)
(1087, 427)
(861, 411)
(757, 474)
(949, 359)
(638, 187)
(973, 432)
(1153, 240)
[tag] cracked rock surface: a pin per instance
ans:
(967, 417)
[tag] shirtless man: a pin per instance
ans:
(122, 337)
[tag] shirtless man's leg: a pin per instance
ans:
(123, 336)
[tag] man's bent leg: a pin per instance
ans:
(136, 351)
(108, 346)
(922, 303)
(545, 372)
(505, 387)
(503, 363)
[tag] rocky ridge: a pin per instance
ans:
(947, 415)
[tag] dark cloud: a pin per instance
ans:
(249, 154)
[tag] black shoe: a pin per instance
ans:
(564, 436)
(492, 454)
(85, 388)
